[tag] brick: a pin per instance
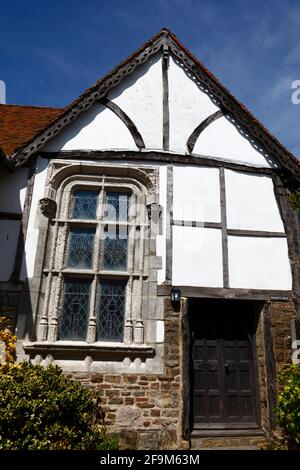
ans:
(116, 401)
(144, 405)
(103, 386)
(96, 378)
(113, 378)
(132, 379)
(155, 413)
(141, 399)
(166, 385)
(154, 386)
(138, 393)
(129, 400)
(112, 393)
(146, 424)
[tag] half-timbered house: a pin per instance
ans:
(148, 247)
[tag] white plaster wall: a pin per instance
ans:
(161, 239)
(32, 229)
(222, 139)
(96, 129)
(13, 189)
(259, 263)
(140, 96)
(197, 257)
(251, 202)
(160, 331)
(196, 194)
(188, 106)
(9, 234)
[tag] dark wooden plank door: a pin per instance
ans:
(223, 385)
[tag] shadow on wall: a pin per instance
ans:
(13, 284)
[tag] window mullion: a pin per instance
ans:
(91, 333)
(92, 326)
(138, 284)
(53, 331)
(43, 325)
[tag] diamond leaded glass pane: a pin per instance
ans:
(111, 304)
(74, 318)
(85, 204)
(115, 249)
(81, 244)
(117, 206)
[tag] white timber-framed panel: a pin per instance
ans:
(140, 96)
(196, 194)
(259, 263)
(251, 202)
(188, 106)
(13, 189)
(97, 128)
(223, 139)
(28, 263)
(197, 257)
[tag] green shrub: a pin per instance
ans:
(288, 403)
(40, 408)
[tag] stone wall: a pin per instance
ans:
(281, 315)
(145, 410)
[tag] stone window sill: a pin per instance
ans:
(80, 350)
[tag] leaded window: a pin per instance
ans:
(115, 248)
(111, 305)
(97, 253)
(74, 320)
(85, 204)
(81, 245)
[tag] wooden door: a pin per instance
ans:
(223, 382)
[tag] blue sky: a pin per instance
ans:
(50, 51)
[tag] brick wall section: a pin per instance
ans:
(145, 410)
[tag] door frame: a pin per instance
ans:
(187, 422)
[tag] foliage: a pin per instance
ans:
(294, 199)
(41, 408)
(288, 403)
(9, 342)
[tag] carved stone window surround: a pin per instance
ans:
(55, 271)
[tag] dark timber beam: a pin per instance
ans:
(254, 233)
(138, 139)
(10, 216)
(165, 86)
(220, 293)
(156, 156)
(224, 228)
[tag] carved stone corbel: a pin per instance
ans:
(48, 207)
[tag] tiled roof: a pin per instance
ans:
(19, 123)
